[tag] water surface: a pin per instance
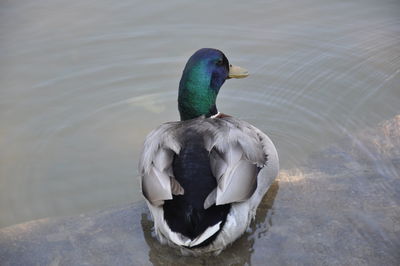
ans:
(81, 84)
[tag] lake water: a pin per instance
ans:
(83, 83)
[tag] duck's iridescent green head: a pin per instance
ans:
(203, 76)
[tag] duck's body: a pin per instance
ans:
(204, 177)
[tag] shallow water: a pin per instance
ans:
(81, 84)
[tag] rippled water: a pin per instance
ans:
(82, 83)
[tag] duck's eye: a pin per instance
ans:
(219, 62)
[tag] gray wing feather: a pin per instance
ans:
(176, 188)
(211, 199)
(237, 153)
(236, 157)
(163, 159)
(238, 184)
(156, 186)
(218, 164)
(155, 165)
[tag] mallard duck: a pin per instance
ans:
(204, 176)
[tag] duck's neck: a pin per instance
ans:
(197, 93)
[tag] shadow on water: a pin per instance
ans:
(239, 253)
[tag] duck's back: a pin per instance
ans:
(197, 174)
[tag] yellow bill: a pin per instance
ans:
(237, 72)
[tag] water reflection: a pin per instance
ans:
(239, 253)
